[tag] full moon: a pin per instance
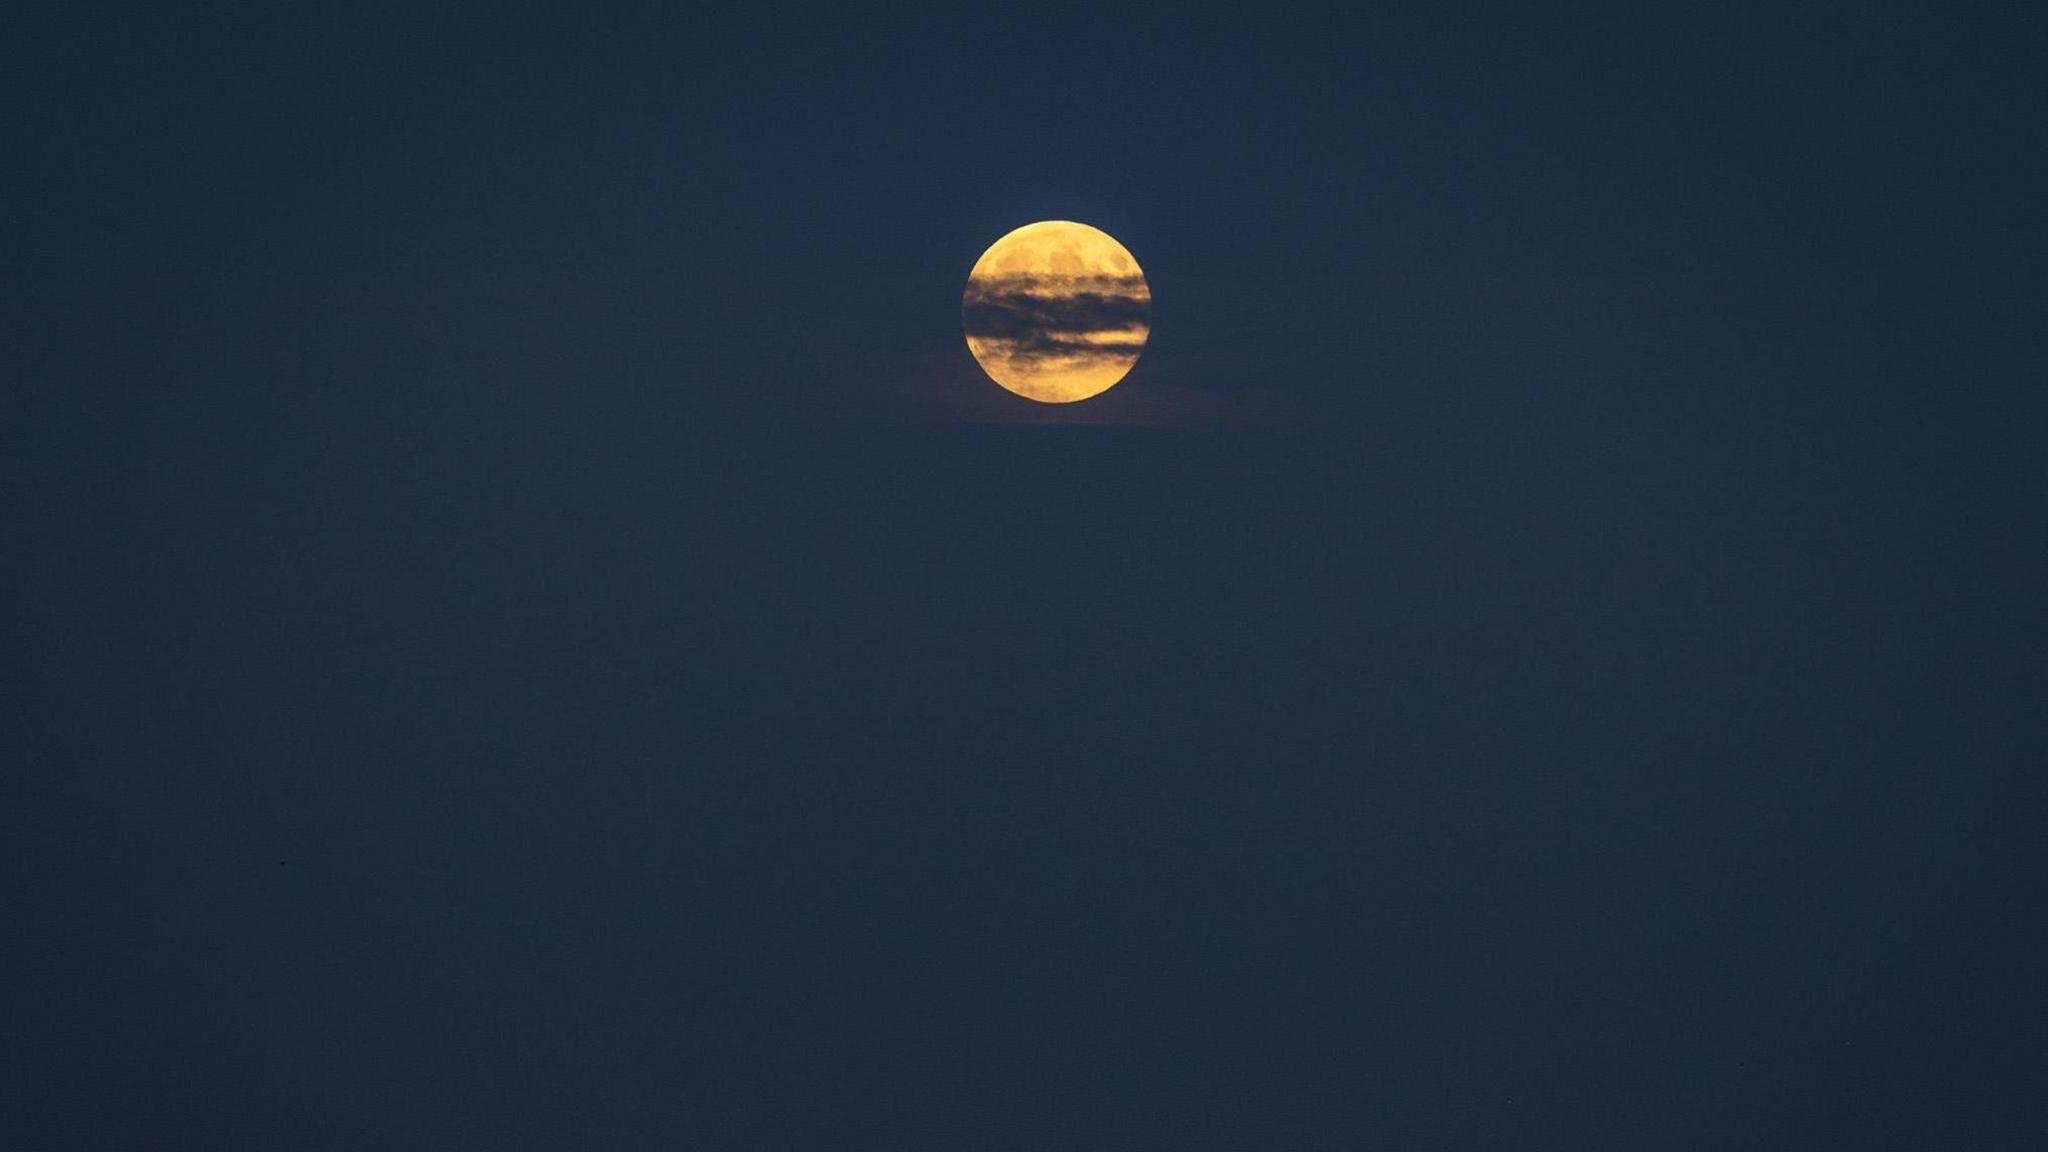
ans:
(1056, 311)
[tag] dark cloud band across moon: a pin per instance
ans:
(1032, 316)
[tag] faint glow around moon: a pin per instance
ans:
(1056, 311)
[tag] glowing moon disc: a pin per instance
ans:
(1056, 311)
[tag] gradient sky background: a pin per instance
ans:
(525, 627)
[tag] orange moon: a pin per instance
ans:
(1056, 311)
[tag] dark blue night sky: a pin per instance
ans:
(525, 627)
